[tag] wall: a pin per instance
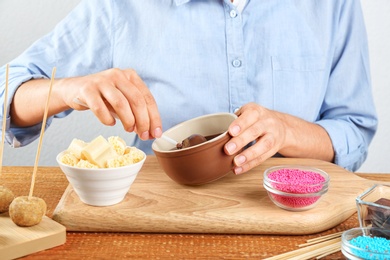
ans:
(22, 22)
(376, 14)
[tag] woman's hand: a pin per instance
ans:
(117, 91)
(274, 132)
(120, 92)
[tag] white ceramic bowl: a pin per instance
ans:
(101, 187)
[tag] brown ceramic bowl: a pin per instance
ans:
(198, 164)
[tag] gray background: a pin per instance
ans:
(22, 22)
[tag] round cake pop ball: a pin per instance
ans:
(6, 197)
(26, 212)
(192, 140)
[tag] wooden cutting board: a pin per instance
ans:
(233, 204)
(17, 241)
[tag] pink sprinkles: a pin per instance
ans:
(296, 181)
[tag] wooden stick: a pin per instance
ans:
(4, 117)
(305, 250)
(318, 251)
(322, 238)
(41, 135)
(329, 252)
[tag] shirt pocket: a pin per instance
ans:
(299, 85)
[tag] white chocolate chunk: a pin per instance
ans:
(98, 151)
(75, 148)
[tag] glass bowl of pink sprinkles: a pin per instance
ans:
(295, 188)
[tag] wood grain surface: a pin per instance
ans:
(17, 241)
(233, 204)
(51, 184)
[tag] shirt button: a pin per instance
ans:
(236, 109)
(236, 63)
(233, 13)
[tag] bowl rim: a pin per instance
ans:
(345, 242)
(100, 169)
(298, 195)
(191, 150)
(360, 199)
(301, 167)
(214, 139)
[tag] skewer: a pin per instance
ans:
(41, 135)
(4, 117)
(170, 140)
(323, 249)
(335, 250)
(321, 238)
(308, 252)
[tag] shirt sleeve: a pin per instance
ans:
(71, 47)
(348, 112)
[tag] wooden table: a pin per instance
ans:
(51, 184)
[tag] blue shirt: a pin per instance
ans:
(305, 58)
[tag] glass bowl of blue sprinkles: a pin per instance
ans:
(366, 243)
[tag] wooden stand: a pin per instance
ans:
(18, 241)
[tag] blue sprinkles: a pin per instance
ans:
(377, 247)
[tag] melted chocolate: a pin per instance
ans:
(193, 140)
